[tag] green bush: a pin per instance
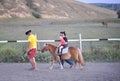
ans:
(103, 55)
(44, 57)
(8, 55)
(36, 14)
(118, 13)
(13, 52)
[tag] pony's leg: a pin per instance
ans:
(81, 60)
(81, 67)
(75, 66)
(52, 65)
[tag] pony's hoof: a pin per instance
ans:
(51, 68)
(81, 67)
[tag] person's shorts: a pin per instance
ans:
(64, 46)
(31, 53)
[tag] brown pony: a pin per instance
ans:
(73, 52)
(104, 23)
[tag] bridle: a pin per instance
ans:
(45, 47)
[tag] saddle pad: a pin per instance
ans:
(65, 50)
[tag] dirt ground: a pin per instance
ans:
(91, 72)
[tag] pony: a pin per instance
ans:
(105, 23)
(73, 52)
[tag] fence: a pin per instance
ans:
(92, 49)
(80, 40)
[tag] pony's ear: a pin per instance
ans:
(45, 44)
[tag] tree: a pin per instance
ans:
(118, 13)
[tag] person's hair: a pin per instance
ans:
(28, 32)
(63, 32)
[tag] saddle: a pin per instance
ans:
(64, 51)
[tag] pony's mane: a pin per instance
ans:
(52, 45)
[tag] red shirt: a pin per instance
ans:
(63, 42)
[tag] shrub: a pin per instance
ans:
(118, 13)
(8, 55)
(103, 55)
(36, 14)
(13, 52)
(45, 57)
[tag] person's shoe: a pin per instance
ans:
(31, 69)
(35, 69)
(71, 66)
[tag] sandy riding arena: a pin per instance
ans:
(91, 72)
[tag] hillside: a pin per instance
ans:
(115, 7)
(14, 8)
(52, 9)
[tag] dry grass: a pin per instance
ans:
(46, 29)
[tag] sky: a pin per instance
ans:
(100, 1)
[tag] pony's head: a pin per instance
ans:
(49, 47)
(45, 48)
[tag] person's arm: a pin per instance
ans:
(28, 44)
(28, 47)
(38, 47)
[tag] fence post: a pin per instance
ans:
(80, 40)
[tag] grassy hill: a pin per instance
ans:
(52, 9)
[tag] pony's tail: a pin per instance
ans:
(80, 57)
